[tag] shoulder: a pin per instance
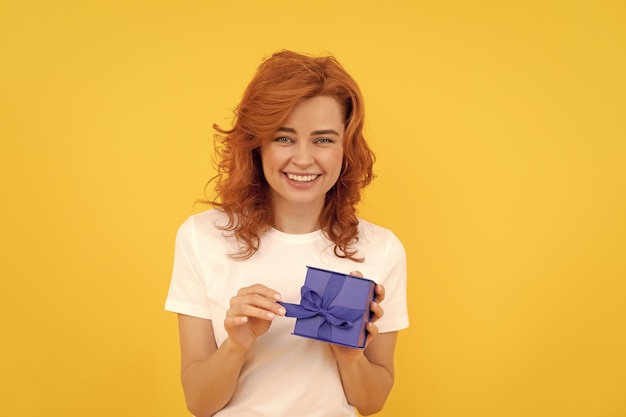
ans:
(373, 237)
(204, 226)
(372, 232)
(205, 221)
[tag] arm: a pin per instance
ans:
(367, 375)
(210, 374)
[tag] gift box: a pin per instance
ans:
(334, 307)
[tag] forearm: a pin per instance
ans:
(210, 384)
(366, 384)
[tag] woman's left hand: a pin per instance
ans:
(371, 328)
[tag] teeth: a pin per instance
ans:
(301, 178)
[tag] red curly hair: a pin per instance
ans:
(282, 81)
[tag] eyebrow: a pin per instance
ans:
(315, 132)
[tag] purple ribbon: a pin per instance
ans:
(313, 304)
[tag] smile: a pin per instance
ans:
(302, 178)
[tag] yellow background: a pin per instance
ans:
(500, 134)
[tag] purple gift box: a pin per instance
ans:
(334, 307)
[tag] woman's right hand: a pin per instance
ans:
(250, 314)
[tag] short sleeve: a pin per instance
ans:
(187, 293)
(394, 305)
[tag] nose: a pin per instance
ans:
(303, 154)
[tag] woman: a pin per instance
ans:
(291, 172)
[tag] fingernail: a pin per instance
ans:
(282, 311)
(271, 315)
(277, 297)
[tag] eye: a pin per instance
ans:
(324, 140)
(283, 139)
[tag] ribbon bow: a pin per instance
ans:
(313, 304)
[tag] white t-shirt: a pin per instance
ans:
(284, 375)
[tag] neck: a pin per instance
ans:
(297, 219)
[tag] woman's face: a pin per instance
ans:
(303, 159)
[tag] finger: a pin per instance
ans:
(377, 311)
(231, 322)
(262, 308)
(261, 290)
(372, 329)
(356, 274)
(256, 300)
(379, 291)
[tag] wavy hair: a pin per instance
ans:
(282, 81)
